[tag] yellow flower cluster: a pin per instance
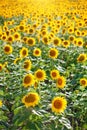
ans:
(35, 39)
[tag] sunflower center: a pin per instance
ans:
(56, 41)
(65, 43)
(70, 30)
(81, 58)
(45, 39)
(25, 39)
(43, 32)
(4, 37)
(79, 43)
(52, 53)
(27, 79)
(10, 39)
(39, 74)
(24, 52)
(16, 36)
(7, 33)
(31, 30)
(26, 65)
(30, 41)
(78, 33)
(0, 67)
(83, 82)
(36, 52)
(58, 104)
(54, 74)
(21, 28)
(71, 38)
(59, 81)
(30, 98)
(7, 49)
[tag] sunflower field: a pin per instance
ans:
(43, 65)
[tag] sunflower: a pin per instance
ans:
(10, 38)
(8, 49)
(31, 30)
(1, 67)
(83, 82)
(37, 52)
(24, 39)
(7, 32)
(53, 53)
(24, 52)
(21, 27)
(78, 33)
(54, 74)
(30, 41)
(82, 58)
(57, 41)
(1, 103)
(70, 30)
(28, 80)
(61, 82)
(17, 60)
(31, 99)
(59, 104)
(40, 75)
(27, 64)
(83, 33)
(35, 25)
(51, 35)
(43, 32)
(66, 43)
(45, 39)
(71, 38)
(35, 84)
(4, 37)
(17, 36)
(79, 42)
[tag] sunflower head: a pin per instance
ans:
(61, 82)
(82, 58)
(45, 39)
(17, 36)
(43, 32)
(30, 41)
(36, 84)
(24, 52)
(27, 64)
(4, 37)
(79, 42)
(37, 52)
(10, 39)
(70, 30)
(83, 82)
(57, 41)
(8, 49)
(59, 104)
(31, 30)
(28, 80)
(53, 53)
(66, 43)
(31, 99)
(71, 38)
(54, 74)
(21, 28)
(40, 75)
(17, 60)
